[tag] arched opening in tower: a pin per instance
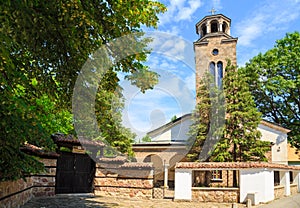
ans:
(224, 27)
(214, 26)
(203, 30)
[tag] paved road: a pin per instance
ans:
(68, 201)
(286, 202)
(89, 201)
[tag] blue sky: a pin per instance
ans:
(256, 23)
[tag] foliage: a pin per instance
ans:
(173, 118)
(146, 138)
(274, 80)
(239, 138)
(201, 119)
(43, 45)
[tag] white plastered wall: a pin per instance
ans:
(258, 181)
(183, 184)
(279, 149)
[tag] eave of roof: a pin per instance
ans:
(37, 151)
(169, 125)
(274, 126)
(69, 140)
(232, 165)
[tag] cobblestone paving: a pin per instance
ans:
(68, 201)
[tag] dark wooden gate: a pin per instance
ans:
(74, 174)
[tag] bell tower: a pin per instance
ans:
(214, 47)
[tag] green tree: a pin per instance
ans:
(238, 140)
(200, 121)
(146, 138)
(274, 80)
(43, 46)
(241, 138)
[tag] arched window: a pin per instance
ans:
(212, 68)
(220, 73)
(203, 30)
(224, 27)
(212, 71)
(214, 26)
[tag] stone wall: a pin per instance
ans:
(219, 195)
(16, 193)
(118, 180)
(205, 179)
(279, 192)
(294, 189)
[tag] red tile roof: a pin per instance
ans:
(37, 151)
(232, 165)
(62, 139)
(137, 165)
(112, 159)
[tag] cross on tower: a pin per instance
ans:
(213, 11)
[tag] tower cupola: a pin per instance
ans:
(212, 25)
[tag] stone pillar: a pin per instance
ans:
(208, 27)
(166, 168)
(220, 26)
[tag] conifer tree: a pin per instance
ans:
(239, 138)
(200, 126)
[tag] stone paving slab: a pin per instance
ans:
(70, 201)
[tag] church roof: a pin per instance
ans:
(169, 125)
(177, 121)
(227, 37)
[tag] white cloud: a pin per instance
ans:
(270, 16)
(217, 4)
(179, 10)
(186, 12)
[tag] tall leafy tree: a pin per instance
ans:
(43, 46)
(274, 80)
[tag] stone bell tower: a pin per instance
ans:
(214, 47)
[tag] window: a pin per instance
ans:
(276, 178)
(203, 29)
(217, 73)
(220, 73)
(224, 27)
(216, 175)
(215, 52)
(212, 69)
(214, 26)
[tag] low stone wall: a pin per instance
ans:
(220, 195)
(120, 181)
(279, 192)
(294, 189)
(16, 193)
